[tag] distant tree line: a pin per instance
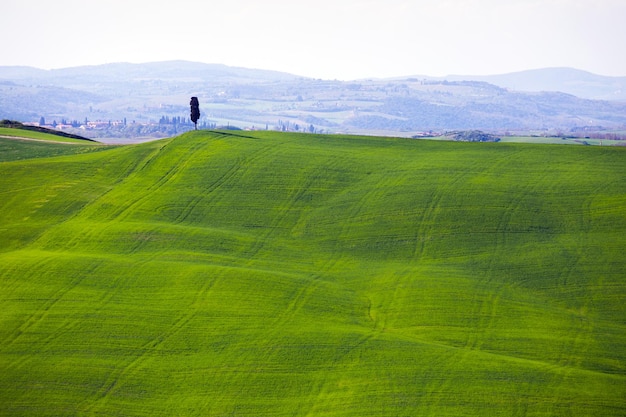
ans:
(183, 121)
(65, 122)
(288, 126)
(176, 120)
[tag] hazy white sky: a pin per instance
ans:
(342, 39)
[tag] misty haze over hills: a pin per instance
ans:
(158, 93)
(566, 80)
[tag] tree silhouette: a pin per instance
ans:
(195, 111)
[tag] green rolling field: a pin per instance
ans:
(45, 135)
(269, 274)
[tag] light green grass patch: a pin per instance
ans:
(30, 134)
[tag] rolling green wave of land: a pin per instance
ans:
(269, 274)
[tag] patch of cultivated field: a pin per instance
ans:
(29, 134)
(268, 274)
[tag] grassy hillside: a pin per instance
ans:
(272, 274)
(15, 148)
(31, 132)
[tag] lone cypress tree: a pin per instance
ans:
(195, 111)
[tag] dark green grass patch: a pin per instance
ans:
(273, 274)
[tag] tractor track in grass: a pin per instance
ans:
(148, 351)
(486, 306)
(429, 214)
(131, 170)
(462, 353)
(228, 174)
(492, 284)
(29, 320)
(301, 296)
(167, 177)
(211, 195)
(573, 276)
(101, 227)
(427, 222)
(41, 313)
(320, 397)
(423, 233)
(70, 324)
(355, 214)
(207, 191)
(87, 210)
(115, 285)
(315, 280)
(291, 201)
(378, 312)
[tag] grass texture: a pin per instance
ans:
(50, 136)
(269, 274)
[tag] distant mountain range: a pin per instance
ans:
(566, 80)
(153, 99)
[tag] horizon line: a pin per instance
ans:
(311, 77)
